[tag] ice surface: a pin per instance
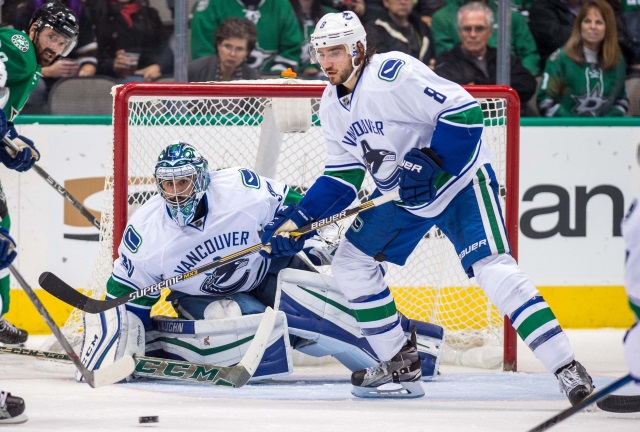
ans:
(318, 398)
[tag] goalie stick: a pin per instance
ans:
(563, 415)
(151, 367)
(100, 377)
(58, 288)
(58, 187)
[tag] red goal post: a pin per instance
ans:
(145, 105)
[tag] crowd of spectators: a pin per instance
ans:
(552, 44)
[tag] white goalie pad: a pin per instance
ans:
(220, 342)
(318, 313)
(108, 336)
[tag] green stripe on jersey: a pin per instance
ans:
(635, 309)
(118, 289)
(488, 206)
(353, 176)
(293, 197)
(378, 313)
(470, 117)
(534, 322)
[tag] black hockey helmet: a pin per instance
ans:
(60, 18)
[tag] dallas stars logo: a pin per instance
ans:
(590, 103)
(20, 42)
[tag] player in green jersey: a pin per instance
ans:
(53, 31)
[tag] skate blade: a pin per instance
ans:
(14, 420)
(404, 390)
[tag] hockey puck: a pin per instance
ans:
(148, 419)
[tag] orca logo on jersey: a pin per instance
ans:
(249, 178)
(132, 239)
(213, 283)
(390, 69)
(374, 158)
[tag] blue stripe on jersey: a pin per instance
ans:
(455, 145)
(378, 330)
(365, 299)
(327, 197)
(345, 167)
(544, 337)
(454, 109)
(537, 299)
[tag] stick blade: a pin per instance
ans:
(59, 289)
(251, 359)
(113, 373)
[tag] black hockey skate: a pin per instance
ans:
(10, 334)
(11, 409)
(397, 378)
(575, 382)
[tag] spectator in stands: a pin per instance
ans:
(81, 62)
(551, 22)
(523, 46)
(631, 18)
(472, 61)
(279, 36)
(426, 8)
(132, 42)
(234, 40)
(309, 13)
(400, 29)
(586, 77)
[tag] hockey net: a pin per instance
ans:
(233, 124)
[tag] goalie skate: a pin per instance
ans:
(11, 409)
(397, 378)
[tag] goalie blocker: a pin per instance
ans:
(314, 318)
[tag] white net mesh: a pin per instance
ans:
(237, 131)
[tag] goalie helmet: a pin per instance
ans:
(182, 177)
(59, 18)
(342, 28)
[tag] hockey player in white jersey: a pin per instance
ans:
(199, 216)
(631, 234)
(391, 116)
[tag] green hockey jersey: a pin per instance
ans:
(19, 70)
(569, 89)
(279, 36)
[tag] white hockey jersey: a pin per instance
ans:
(155, 248)
(398, 104)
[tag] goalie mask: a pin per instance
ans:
(59, 18)
(182, 177)
(342, 28)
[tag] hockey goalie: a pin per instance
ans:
(199, 216)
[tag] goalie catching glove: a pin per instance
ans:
(418, 176)
(27, 154)
(276, 232)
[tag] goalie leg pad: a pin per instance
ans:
(321, 317)
(220, 342)
(108, 336)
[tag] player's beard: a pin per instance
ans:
(45, 56)
(341, 77)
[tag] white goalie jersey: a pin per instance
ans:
(154, 248)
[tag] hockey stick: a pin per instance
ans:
(150, 367)
(563, 415)
(100, 377)
(58, 288)
(58, 187)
